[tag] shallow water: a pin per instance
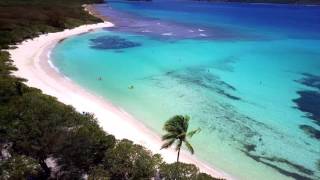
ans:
(247, 74)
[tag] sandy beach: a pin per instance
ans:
(32, 58)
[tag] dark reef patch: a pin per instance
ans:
(112, 42)
(204, 78)
(250, 147)
(311, 131)
(222, 92)
(268, 161)
(309, 102)
(310, 80)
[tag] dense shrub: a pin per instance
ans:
(20, 19)
(182, 171)
(131, 161)
(19, 166)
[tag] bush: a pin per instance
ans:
(98, 173)
(131, 161)
(178, 171)
(19, 167)
(182, 171)
(84, 146)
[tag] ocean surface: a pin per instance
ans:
(247, 74)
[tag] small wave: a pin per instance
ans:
(144, 31)
(52, 66)
(191, 30)
(200, 30)
(57, 70)
(48, 54)
(203, 35)
(167, 34)
(67, 78)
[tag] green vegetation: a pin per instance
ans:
(41, 138)
(21, 19)
(186, 172)
(177, 132)
(19, 166)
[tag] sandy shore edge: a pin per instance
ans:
(32, 58)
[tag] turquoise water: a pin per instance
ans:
(249, 82)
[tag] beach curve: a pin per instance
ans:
(32, 58)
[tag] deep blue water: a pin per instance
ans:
(247, 74)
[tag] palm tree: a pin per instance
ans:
(177, 132)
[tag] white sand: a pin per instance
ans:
(32, 58)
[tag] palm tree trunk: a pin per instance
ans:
(178, 155)
(45, 168)
(176, 174)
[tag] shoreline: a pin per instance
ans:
(93, 12)
(32, 58)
